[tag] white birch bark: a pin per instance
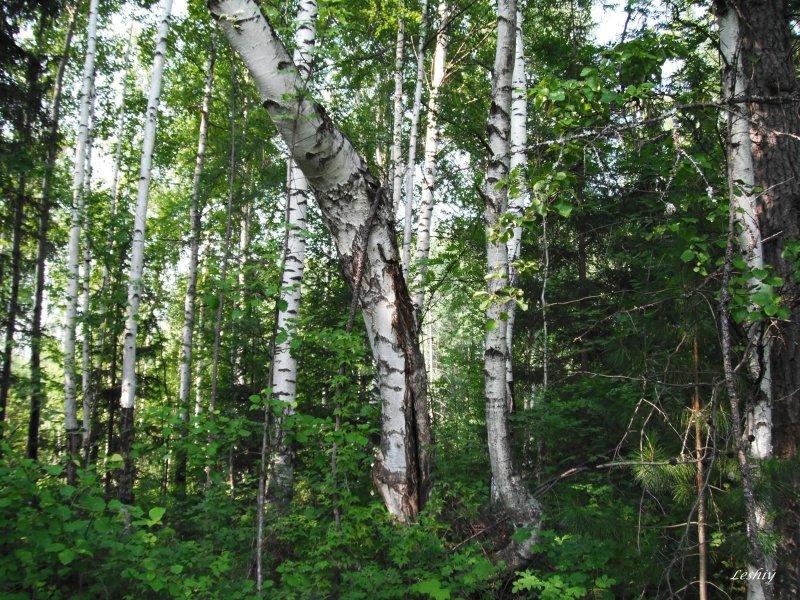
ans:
(128, 396)
(518, 202)
(408, 221)
(397, 123)
(508, 489)
(424, 219)
(743, 200)
(348, 195)
(86, 330)
(284, 371)
(70, 377)
(189, 299)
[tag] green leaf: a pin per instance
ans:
(491, 324)
(688, 255)
(176, 569)
(66, 556)
(156, 513)
(433, 588)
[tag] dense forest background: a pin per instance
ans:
(445, 299)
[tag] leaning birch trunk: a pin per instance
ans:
(54, 117)
(195, 215)
(397, 122)
(424, 220)
(347, 194)
(408, 221)
(508, 489)
(284, 371)
(519, 202)
(743, 198)
(73, 433)
(128, 396)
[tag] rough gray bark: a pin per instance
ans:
(509, 491)
(767, 54)
(346, 192)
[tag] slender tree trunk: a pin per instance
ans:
(128, 395)
(397, 122)
(744, 201)
(519, 202)
(226, 253)
(86, 329)
(412, 141)
(54, 118)
(78, 191)
(195, 216)
(508, 490)
(346, 193)
(284, 372)
(425, 217)
(774, 111)
(700, 479)
(13, 300)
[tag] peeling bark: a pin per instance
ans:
(346, 191)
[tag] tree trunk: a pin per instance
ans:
(78, 191)
(397, 121)
(412, 141)
(743, 203)
(424, 219)
(508, 489)
(767, 54)
(346, 193)
(86, 329)
(519, 202)
(284, 371)
(128, 395)
(195, 215)
(223, 287)
(54, 118)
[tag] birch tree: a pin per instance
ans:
(78, 191)
(508, 489)
(397, 114)
(128, 396)
(518, 202)
(416, 109)
(189, 301)
(349, 196)
(284, 369)
(424, 220)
